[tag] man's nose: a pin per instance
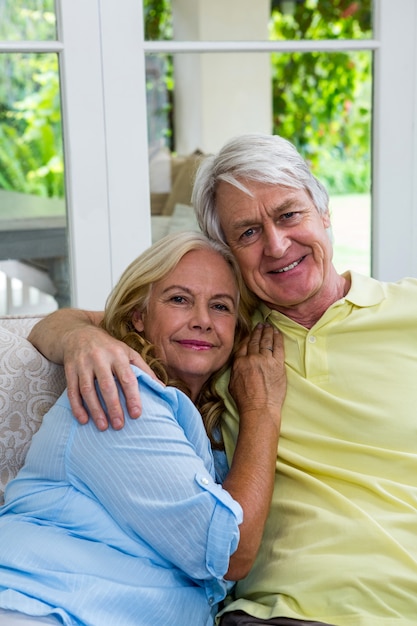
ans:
(276, 241)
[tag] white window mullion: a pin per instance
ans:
(85, 151)
(126, 131)
(106, 147)
(302, 45)
(395, 141)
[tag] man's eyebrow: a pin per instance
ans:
(243, 224)
(287, 205)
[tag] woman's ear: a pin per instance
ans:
(137, 321)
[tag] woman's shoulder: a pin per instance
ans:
(156, 387)
(171, 404)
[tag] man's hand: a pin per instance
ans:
(72, 337)
(92, 354)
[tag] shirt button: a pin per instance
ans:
(211, 601)
(312, 339)
(204, 481)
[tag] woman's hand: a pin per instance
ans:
(258, 385)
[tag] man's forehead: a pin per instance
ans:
(233, 202)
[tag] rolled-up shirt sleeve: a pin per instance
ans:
(155, 477)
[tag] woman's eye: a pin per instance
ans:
(221, 307)
(178, 299)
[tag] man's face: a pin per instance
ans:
(279, 240)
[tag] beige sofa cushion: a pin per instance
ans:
(29, 385)
(183, 176)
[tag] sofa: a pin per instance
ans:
(29, 385)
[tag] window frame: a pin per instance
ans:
(102, 52)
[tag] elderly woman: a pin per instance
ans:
(131, 527)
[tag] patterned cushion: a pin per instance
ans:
(29, 385)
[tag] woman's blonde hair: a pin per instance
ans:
(132, 293)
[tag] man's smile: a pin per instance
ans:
(291, 266)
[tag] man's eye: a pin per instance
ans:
(288, 216)
(248, 233)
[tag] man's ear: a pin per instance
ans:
(137, 321)
(325, 218)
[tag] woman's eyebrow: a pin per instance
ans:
(188, 290)
(176, 287)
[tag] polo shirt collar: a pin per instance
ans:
(364, 291)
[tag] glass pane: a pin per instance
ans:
(246, 20)
(321, 102)
(33, 214)
(206, 20)
(313, 19)
(27, 20)
(157, 18)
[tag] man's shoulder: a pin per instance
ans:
(407, 283)
(369, 291)
(405, 288)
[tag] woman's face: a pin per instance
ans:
(191, 317)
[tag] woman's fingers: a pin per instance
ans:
(264, 339)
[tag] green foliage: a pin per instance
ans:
(36, 21)
(31, 156)
(31, 159)
(157, 19)
(322, 100)
(160, 73)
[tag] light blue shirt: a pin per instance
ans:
(120, 528)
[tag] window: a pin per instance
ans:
(316, 93)
(32, 218)
(103, 55)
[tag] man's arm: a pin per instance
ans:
(72, 337)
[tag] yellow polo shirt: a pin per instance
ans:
(340, 543)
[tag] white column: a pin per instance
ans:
(219, 95)
(394, 225)
(105, 139)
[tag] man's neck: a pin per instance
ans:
(308, 313)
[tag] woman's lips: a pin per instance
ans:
(195, 345)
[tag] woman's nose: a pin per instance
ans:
(201, 317)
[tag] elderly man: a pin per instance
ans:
(340, 545)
